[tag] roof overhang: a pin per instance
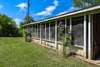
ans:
(90, 10)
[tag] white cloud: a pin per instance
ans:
(69, 10)
(22, 6)
(49, 10)
(56, 2)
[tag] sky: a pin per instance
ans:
(39, 9)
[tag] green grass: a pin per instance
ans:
(15, 52)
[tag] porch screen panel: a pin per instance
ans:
(25, 29)
(35, 30)
(52, 31)
(31, 29)
(68, 27)
(38, 30)
(61, 30)
(28, 29)
(47, 31)
(33, 33)
(43, 31)
(78, 31)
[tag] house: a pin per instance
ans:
(84, 26)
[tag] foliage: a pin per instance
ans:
(21, 28)
(67, 45)
(8, 27)
(66, 39)
(85, 3)
(28, 19)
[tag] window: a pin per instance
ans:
(78, 31)
(60, 29)
(47, 31)
(43, 31)
(52, 31)
(38, 30)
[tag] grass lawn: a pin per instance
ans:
(15, 52)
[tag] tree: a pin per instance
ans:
(8, 26)
(85, 3)
(28, 19)
(21, 28)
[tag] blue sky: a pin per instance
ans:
(40, 9)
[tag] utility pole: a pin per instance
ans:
(28, 9)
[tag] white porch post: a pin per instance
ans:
(40, 34)
(49, 32)
(45, 32)
(26, 29)
(37, 30)
(90, 55)
(70, 30)
(71, 26)
(85, 36)
(65, 26)
(56, 35)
